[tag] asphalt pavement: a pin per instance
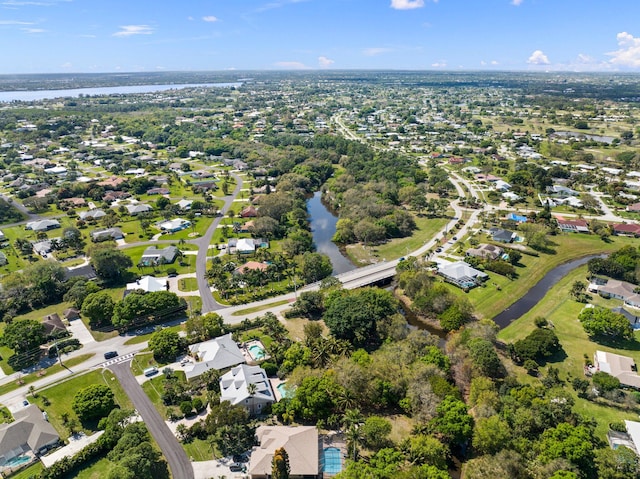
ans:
(176, 457)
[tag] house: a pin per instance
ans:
(71, 314)
(135, 171)
(502, 236)
(572, 226)
(461, 274)
(486, 251)
(633, 319)
(42, 225)
(75, 202)
(515, 217)
(184, 205)
(630, 439)
(249, 212)
(246, 246)
(3, 259)
(53, 325)
(206, 185)
(626, 229)
(43, 248)
(621, 367)
(107, 234)
(251, 266)
(501, 185)
(2, 236)
(148, 284)
(235, 388)
(85, 271)
(153, 256)
(560, 190)
(113, 182)
(29, 434)
(511, 196)
(301, 444)
(93, 214)
(617, 289)
(138, 208)
(218, 353)
(634, 208)
(111, 196)
(158, 191)
(174, 225)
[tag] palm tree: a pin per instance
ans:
(252, 389)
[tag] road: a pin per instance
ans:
(208, 303)
(176, 457)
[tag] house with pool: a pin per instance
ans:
(301, 444)
(24, 439)
(247, 386)
(218, 353)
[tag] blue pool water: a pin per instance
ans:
(256, 352)
(284, 392)
(331, 460)
(16, 461)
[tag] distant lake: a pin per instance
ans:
(35, 95)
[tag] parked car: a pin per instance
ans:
(236, 467)
(110, 354)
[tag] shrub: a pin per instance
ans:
(605, 381)
(186, 407)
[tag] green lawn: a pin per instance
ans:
(398, 247)
(188, 284)
(33, 470)
(562, 311)
(255, 309)
(60, 397)
(198, 228)
(500, 292)
(198, 450)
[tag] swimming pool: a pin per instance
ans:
(256, 352)
(17, 461)
(331, 460)
(284, 391)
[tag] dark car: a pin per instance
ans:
(235, 467)
(438, 250)
(240, 458)
(110, 354)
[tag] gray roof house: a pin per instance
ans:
(109, 233)
(218, 353)
(234, 387)
(461, 274)
(632, 318)
(92, 214)
(42, 225)
(29, 433)
(137, 209)
(502, 236)
(155, 256)
(621, 367)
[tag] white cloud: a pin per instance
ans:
(440, 64)
(277, 4)
(14, 22)
(494, 62)
(291, 65)
(406, 4)
(210, 18)
(372, 52)
(33, 30)
(128, 30)
(538, 58)
(66, 65)
(325, 62)
(628, 55)
(517, 3)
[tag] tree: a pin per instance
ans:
(24, 335)
(573, 443)
(577, 289)
(354, 315)
(453, 421)
(603, 323)
(620, 463)
(79, 289)
(314, 266)
(93, 402)
(98, 307)
(485, 357)
(375, 432)
(280, 468)
(491, 435)
(110, 264)
(166, 345)
(538, 345)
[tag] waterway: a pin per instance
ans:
(323, 227)
(35, 95)
(538, 291)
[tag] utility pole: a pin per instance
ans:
(58, 353)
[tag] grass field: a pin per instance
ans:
(255, 309)
(398, 247)
(188, 284)
(500, 292)
(562, 311)
(198, 450)
(60, 397)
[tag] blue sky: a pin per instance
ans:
(43, 36)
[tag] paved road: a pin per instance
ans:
(177, 459)
(208, 303)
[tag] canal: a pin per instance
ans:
(323, 227)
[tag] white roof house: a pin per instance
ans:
(184, 204)
(300, 442)
(42, 225)
(218, 353)
(138, 208)
(148, 284)
(174, 225)
(246, 245)
(621, 367)
(502, 185)
(96, 213)
(234, 387)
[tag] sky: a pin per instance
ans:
(57, 36)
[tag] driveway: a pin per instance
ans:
(80, 331)
(177, 459)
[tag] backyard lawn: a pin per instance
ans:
(562, 311)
